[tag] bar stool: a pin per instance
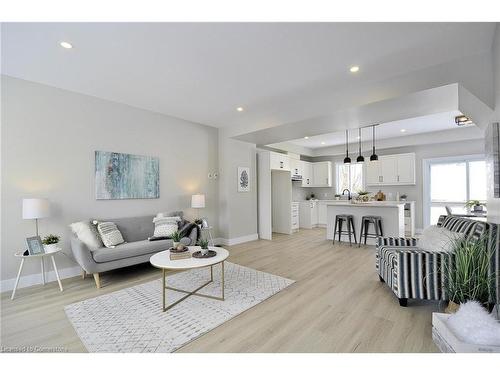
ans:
(365, 225)
(339, 220)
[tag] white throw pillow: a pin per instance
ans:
(166, 226)
(87, 233)
(110, 234)
(436, 238)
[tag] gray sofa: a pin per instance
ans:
(137, 249)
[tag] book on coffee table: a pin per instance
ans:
(179, 256)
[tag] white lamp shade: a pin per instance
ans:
(36, 208)
(198, 201)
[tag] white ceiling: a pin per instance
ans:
(419, 125)
(203, 71)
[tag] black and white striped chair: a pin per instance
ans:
(412, 272)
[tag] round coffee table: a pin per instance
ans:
(162, 260)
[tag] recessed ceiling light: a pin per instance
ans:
(306, 137)
(239, 109)
(403, 130)
(322, 143)
(354, 69)
(66, 45)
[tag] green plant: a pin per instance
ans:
(474, 202)
(467, 272)
(203, 243)
(51, 239)
(176, 236)
(362, 192)
(337, 195)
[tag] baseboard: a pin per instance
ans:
(237, 240)
(36, 278)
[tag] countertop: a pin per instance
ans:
(369, 204)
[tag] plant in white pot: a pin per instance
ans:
(204, 246)
(475, 205)
(467, 275)
(50, 242)
(176, 238)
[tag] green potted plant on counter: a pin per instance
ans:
(475, 205)
(50, 242)
(467, 275)
(363, 196)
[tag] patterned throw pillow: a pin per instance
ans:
(165, 226)
(87, 233)
(110, 235)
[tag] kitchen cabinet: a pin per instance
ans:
(295, 216)
(322, 174)
(391, 170)
(279, 161)
(322, 213)
(306, 174)
(295, 167)
(308, 214)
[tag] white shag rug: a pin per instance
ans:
(132, 320)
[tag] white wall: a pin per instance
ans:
(238, 210)
(48, 141)
(414, 192)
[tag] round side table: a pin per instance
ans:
(40, 257)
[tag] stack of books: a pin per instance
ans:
(186, 254)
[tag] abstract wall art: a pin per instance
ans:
(126, 176)
(243, 179)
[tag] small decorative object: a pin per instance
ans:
(471, 257)
(204, 246)
(209, 254)
(180, 248)
(126, 176)
(476, 205)
(176, 238)
(50, 242)
(35, 245)
(363, 196)
(337, 197)
(313, 196)
(380, 196)
(308, 198)
(243, 179)
(403, 197)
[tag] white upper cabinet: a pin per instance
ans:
(306, 174)
(279, 161)
(322, 174)
(391, 170)
(295, 167)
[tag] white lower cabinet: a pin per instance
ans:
(295, 216)
(322, 213)
(308, 214)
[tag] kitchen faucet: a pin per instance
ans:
(348, 193)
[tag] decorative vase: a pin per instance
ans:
(478, 208)
(452, 307)
(51, 248)
(175, 245)
(204, 251)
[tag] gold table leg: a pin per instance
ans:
(164, 287)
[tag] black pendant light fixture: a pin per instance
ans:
(347, 159)
(374, 156)
(360, 158)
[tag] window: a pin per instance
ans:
(452, 182)
(349, 176)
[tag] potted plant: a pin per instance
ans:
(337, 197)
(176, 237)
(50, 242)
(403, 197)
(467, 275)
(312, 195)
(204, 246)
(363, 196)
(475, 205)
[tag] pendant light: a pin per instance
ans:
(374, 156)
(347, 159)
(360, 158)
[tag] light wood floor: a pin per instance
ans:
(336, 304)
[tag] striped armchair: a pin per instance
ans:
(412, 272)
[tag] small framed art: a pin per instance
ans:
(35, 245)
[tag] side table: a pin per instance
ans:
(41, 257)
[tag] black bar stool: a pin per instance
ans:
(339, 220)
(365, 225)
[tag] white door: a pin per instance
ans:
(306, 174)
(406, 169)
(389, 169)
(373, 175)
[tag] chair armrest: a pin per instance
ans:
(82, 255)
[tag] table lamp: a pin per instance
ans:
(36, 208)
(198, 201)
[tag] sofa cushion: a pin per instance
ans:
(110, 235)
(436, 238)
(134, 228)
(166, 226)
(87, 233)
(130, 249)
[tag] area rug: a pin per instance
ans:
(132, 320)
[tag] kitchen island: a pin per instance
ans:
(397, 217)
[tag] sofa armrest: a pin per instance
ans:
(397, 241)
(83, 255)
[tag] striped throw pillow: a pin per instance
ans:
(110, 234)
(165, 226)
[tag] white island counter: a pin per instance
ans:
(392, 213)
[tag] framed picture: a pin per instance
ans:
(243, 179)
(35, 245)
